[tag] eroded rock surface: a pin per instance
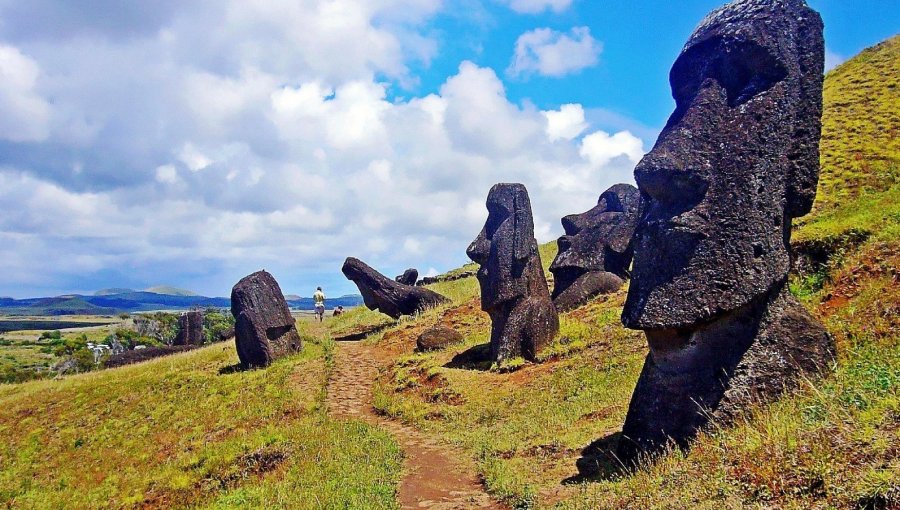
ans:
(408, 277)
(264, 328)
(595, 253)
(737, 161)
(388, 296)
(513, 287)
(190, 329)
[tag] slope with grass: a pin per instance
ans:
(189, 431)
(833, 444)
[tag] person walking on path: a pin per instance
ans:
(319, 299)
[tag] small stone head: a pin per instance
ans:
(599, 239)
(737, 160)
(504, 246)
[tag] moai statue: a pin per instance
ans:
(737, 161)
(409, 277)
(388, 296)
(264, 328)
(595, 254)
(513, 287)
(190, 329)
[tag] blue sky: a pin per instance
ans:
(192, 142)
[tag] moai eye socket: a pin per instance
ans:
(743, 68)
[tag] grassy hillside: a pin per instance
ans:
(188, 431)
(834, 444)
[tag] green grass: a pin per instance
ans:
(185, 431)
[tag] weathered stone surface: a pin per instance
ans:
(190, 329)
(437, 337)
(408, 277)
(736, 162)
(595, 254)
(513, 287)
(264, 328)
(388, 296)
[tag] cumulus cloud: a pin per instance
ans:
(565, 123)
(24, 114)
(537, 6)
(555, 54)
(213, 142)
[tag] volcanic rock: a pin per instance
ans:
(513, 287)
(596, 251)
(437, 337)
(190, 329)
(388, 296)
(264, 328)
(408, 277)
(737, 161)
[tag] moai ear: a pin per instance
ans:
(523, 227)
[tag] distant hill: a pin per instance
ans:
(139, 301)
(170, 291)
(114, 290)
(292, 297)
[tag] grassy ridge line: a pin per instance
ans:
(187, 432)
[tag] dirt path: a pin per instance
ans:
(432, 477)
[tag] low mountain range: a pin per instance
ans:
(115, 301)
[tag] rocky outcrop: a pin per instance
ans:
(190, 329)
(388, 296)
(513, 287)
(595, 254)
(737, 161)
(264, 328)
(437, 337)
(408, 277)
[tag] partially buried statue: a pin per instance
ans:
(264, 328)
(190, 329)
(513, 287)
(388, 296)
(595, 254)
(736, 162)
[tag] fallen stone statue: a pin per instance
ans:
(388, 296)
(513, 287)
(264, 329)
(595, 254)
(736, 162)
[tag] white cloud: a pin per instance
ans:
(537, 6)
(225, 140)
(167, 174)
(24, 114)
(565, 123)
(600, 148)
(551, 53)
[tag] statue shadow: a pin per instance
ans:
(233, 369)
(361, 335)
(473, 358)
(598, 461)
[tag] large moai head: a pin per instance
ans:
(388, 296)
(513, 286)
(264, 328)
(737, 160)
(596, 251)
